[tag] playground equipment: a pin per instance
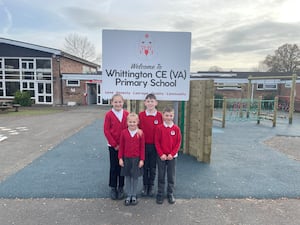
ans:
(236, 110)
(264, 115)
(292, 93)
(224, 103)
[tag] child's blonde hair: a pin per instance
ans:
(117, 95)
(133, 115)
(168, 109)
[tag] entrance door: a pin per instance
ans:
(43, 93)
(91, 94)
(100, 100)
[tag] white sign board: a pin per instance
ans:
(136, 63)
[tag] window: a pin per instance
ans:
(12, 71)
(27, 64)
(48, 99)
(12, 75)
(1, 88)
(229, 86)
(12, 88)
(288, 85)
(27, 75)
(11, 64)
(73, 83)
(269, 86)
(260, 86)
(48, 88)
(43, 64)
(29, 87)
(43, 75)
(41, 88)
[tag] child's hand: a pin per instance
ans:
(170, 157)
(139, 132)
(116, 148)
(163, 157)
(141, 163)
(121, 162)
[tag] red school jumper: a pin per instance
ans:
(167, 140)
(132, 147)
(113, 127)
(148, 124)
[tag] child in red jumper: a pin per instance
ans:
(131, 157)
(114, 123)
(167, 143)
(149, 120)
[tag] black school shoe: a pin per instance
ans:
(121, 194)
(159, 199)
(151, 191)
(113, 193)
(171, 199)
(144, 192)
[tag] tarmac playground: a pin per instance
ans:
(242, 166)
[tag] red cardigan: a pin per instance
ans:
(131, 147)
(167, 140)
(148, 124)
(113, 127)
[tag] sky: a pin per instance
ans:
(233, 34)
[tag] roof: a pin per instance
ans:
(31, 46)
(242, 77)
(55, 52)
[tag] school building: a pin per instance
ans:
(51, 76)
(265, 84)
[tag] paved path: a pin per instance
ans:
(107, 212)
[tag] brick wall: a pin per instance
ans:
(70, 94)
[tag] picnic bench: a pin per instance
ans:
(6, 104)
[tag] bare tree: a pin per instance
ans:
(285, 59)
(80, 46)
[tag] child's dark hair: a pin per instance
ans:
(168, 109)
(150, 96)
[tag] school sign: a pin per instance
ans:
(135, 63)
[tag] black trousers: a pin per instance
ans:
(115, 179)
(149, 165)
(166, 167)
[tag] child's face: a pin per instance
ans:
(117, 103)
(132, 123)
(168, 117)
(150, 103)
